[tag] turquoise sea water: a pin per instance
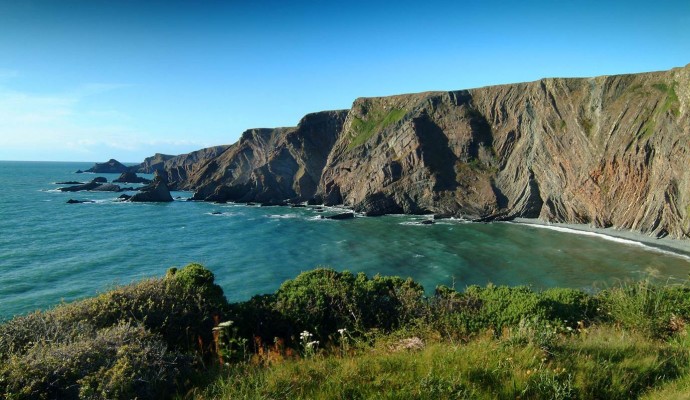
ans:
(51, 251)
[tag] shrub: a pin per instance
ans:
(120, 362)
(324, 300)
(129, 342)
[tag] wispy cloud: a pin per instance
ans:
(79, 122)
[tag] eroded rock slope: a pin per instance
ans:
(610, 151)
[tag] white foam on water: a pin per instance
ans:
(609, 238)
(282, 216)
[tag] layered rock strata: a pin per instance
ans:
(608, 151)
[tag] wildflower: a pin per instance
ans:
(342, 331)
(313, 344)
(305, 335)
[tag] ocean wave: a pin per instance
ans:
(223, 214)
(282, 216)
(610, 238)
(414, 223)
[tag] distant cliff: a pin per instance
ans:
(609, 151)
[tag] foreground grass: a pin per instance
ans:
(604, 362)
(337, 335)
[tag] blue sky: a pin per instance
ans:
(97, 79)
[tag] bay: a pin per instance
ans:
(52, 252)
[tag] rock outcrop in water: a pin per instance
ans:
(608, 151)
(131, 177)
(112, 166)
(155, 192)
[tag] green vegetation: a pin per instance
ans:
(671, 102)
(140, 340)
(330, 334)
(375, 121)
(671, 105)
(586, 124)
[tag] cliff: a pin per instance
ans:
(271, 165)
(177, 170)
(608, 151)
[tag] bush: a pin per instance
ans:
(132, 341)
(120, 362)
(324, 300)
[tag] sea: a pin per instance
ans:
(53, 252)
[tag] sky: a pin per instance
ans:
(90, 80)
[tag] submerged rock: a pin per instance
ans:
(78, 188)
(345, 215)
(72, 201)
(107, 187)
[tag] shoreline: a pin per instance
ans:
(677, 247)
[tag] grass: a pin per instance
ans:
(603, 362)
(375, 121)
(337, 335)
(670, 105)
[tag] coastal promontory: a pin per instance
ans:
(609, 151)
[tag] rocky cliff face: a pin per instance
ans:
(271, 165)
(176, 170)
(609, 151)
(151, 164)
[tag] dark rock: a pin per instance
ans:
(155, 192)
(99, 179)
(216, 213)
(315, 201)
(107, 187)
(345, 215)
(72, 201)
(426, 222)
(131, 177)
(78, 171)
(110, 167)
(274, 203)
(378, 204)
(69, 183)
(78, 188)
(124, 197)
(297, 205)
